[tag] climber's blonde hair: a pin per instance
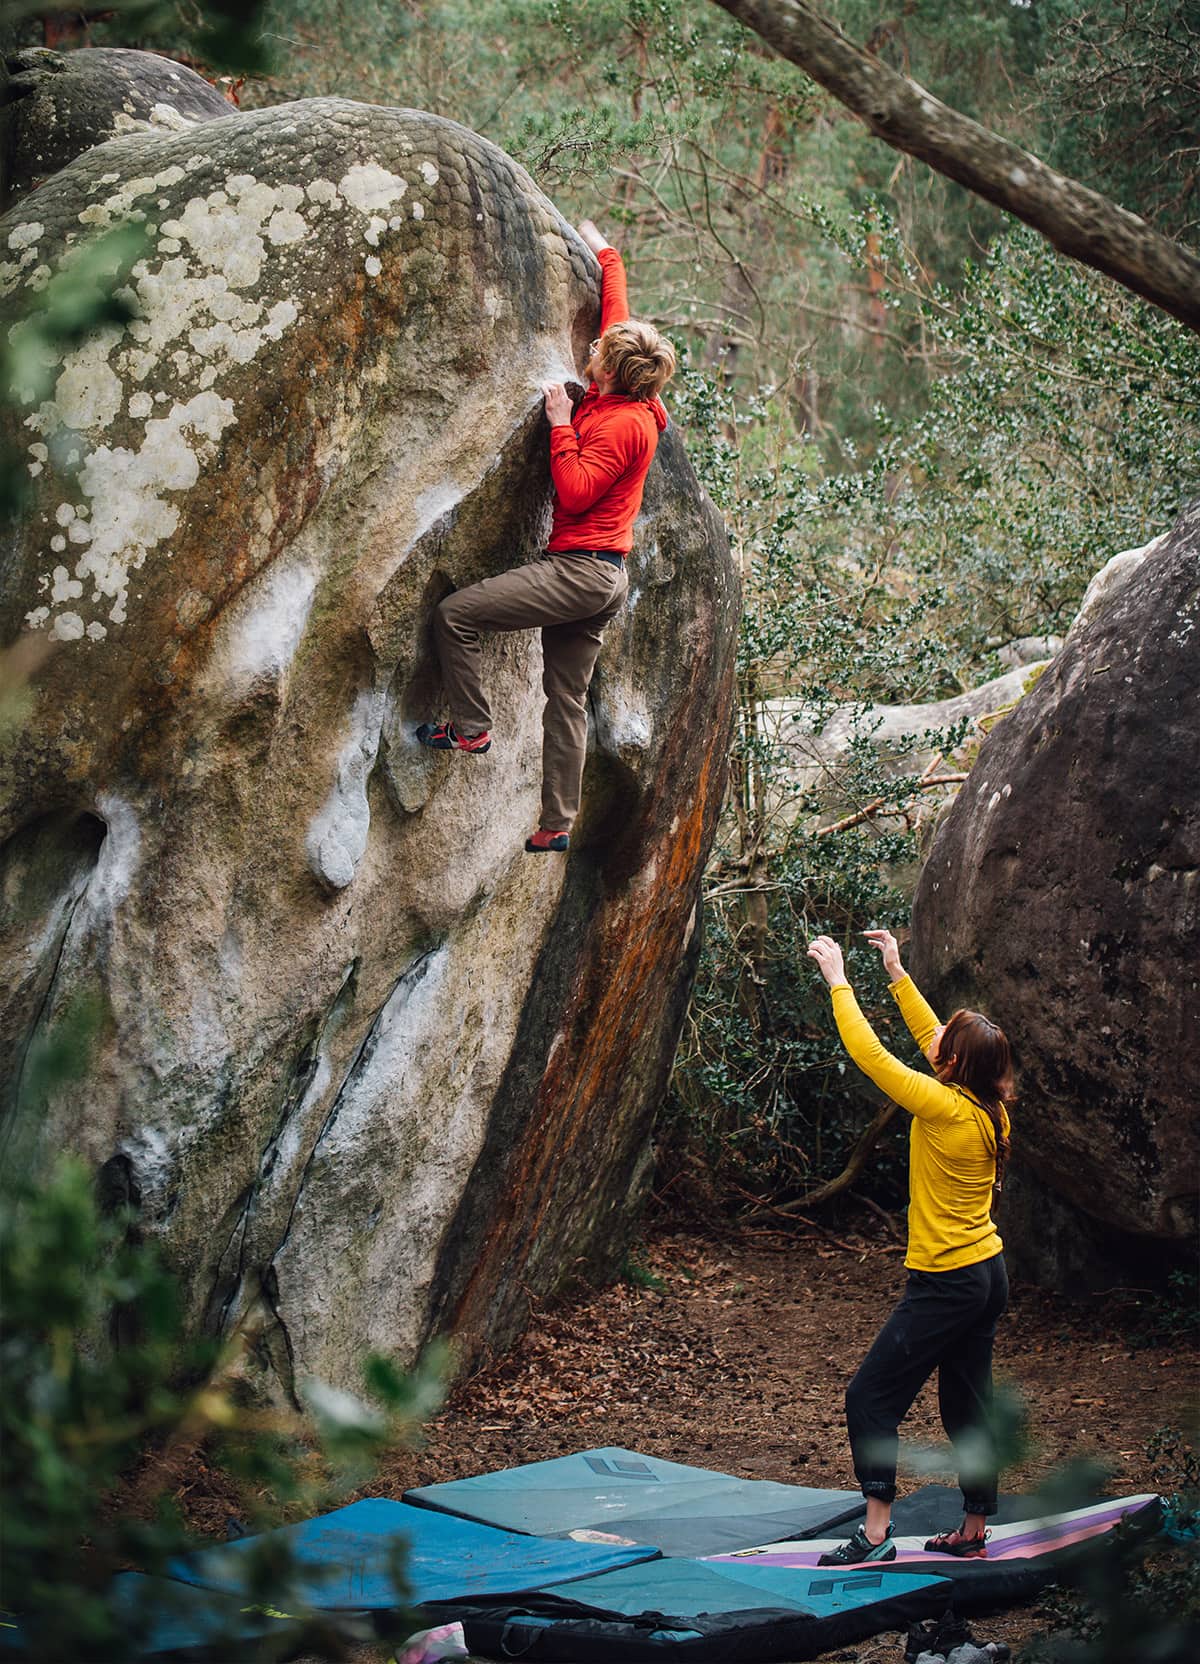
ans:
(640, 361)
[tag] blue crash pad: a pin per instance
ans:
(642, 1499)
(156, 1615)
(344, 1558)
(676, 1609)
(688, 1588)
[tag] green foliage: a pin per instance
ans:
(226, 34)
(1167, 1314)
(1172, 1316)
(580, 140)
(84, 295)
(1175, 1464)
(635, 1272)
(1124, 83)
(220, 34)
(70, 1422)
(98, 1375)
(1064, 427)
(763, 1087)
(1141, 1598)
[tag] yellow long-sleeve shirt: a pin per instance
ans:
(952, 1142)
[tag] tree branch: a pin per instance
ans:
(833, 1187)
(876, 807)
(1077, 221)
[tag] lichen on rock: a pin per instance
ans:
(331, 978)
(59, 105)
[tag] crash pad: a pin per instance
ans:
(634, 1498)
(345, 1558)
(702, 1610)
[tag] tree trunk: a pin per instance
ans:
(754, 926)
(1077, 221)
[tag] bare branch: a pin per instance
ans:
(835, 1186)
(1077, 221)
(876, 807)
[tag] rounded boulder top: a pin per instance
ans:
(60, 105)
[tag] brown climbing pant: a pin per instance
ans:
(572, 597)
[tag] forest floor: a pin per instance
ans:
(737, 1357)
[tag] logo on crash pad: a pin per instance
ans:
(618, 1469)
(850, 1580)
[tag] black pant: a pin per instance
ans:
(945, 1321)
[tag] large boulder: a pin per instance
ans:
(57, 105)
(367, 1068)
(1061, 897)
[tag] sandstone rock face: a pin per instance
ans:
(367, 1068)
(59, 105)
(815, 757)
(1116, 571)
(1061, 896)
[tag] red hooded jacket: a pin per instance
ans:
(599, 463)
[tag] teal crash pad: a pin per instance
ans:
(641, 1499)
(345, 1558)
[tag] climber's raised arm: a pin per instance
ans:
(614, 293)
(922, 1020)
(593, 236)
(921, 1095)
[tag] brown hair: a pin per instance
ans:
(979, 1058)
(640, 361)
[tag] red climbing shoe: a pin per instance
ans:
(962, 1548)
(442, 737)
(545, 842)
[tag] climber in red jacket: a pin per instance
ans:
(599, 458)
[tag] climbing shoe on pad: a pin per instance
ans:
(962, 1548)
(860, 1549)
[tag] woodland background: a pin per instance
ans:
(925, 430)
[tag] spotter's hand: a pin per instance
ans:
(558, 404)
(889, 948)
(828, 956)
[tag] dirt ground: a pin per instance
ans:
(738, 1358)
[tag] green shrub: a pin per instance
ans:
(1062, 428)
(1139, 1599)
(98, 1378)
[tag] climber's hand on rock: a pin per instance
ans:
(592, 236)
(829, 959)
(558, 404)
